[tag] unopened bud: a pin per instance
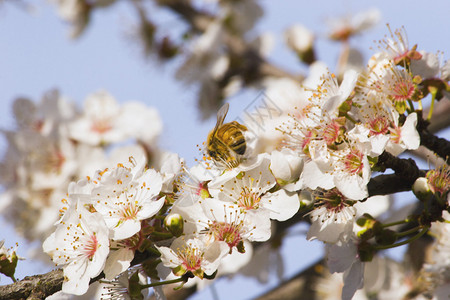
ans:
(175, 224)
(365, 234)
(371, 227)
(364, 219)
(421, 189)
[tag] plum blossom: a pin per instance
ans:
(396, 47)
(403, 137)
(286, 166)
(80, 245)
(439, 181)
(352, 172)
(126, 195)
(227, 222)
(347, 26)
(193, 254)
(104, 121)
(249, 191)
(332, 218)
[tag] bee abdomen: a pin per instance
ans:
(239, 145)
(232, 136)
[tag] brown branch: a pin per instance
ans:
(34, 287)
(388, 184)
(405, 168)
(41, 286)
(438, 145)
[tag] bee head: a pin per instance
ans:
(212, 153)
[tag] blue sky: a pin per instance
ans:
(36, 55)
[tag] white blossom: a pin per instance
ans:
(194, 255)
(80, 245)
(125, 196)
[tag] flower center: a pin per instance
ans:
(101, 126)
(331, 133)
(439, 179)
(227, 232)
(379, 125)
(191, 257)
(334, 203)
(91, 246)
(129, 211)
(333, 200)
(396, 134)
(248, 199)
(353, 162)
(403, 89)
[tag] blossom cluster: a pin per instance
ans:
(55, 142)
(317, 156)
(102, 212)
(310, 153)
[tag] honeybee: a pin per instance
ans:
(226, 141)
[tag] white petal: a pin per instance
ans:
(345, 89)
(313, 177)
(231, 263)
(410, 136)
(341, 256)
(77, 283)
(213, 256)
(353, 280)
(351, 186)
(286, 165)
(168, 257)
(427, 66)
(150, 208)
(328, 233)
(282, 206)
(118, 261)
(126, 229)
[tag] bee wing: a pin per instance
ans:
(186, 200)
(221, 114)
